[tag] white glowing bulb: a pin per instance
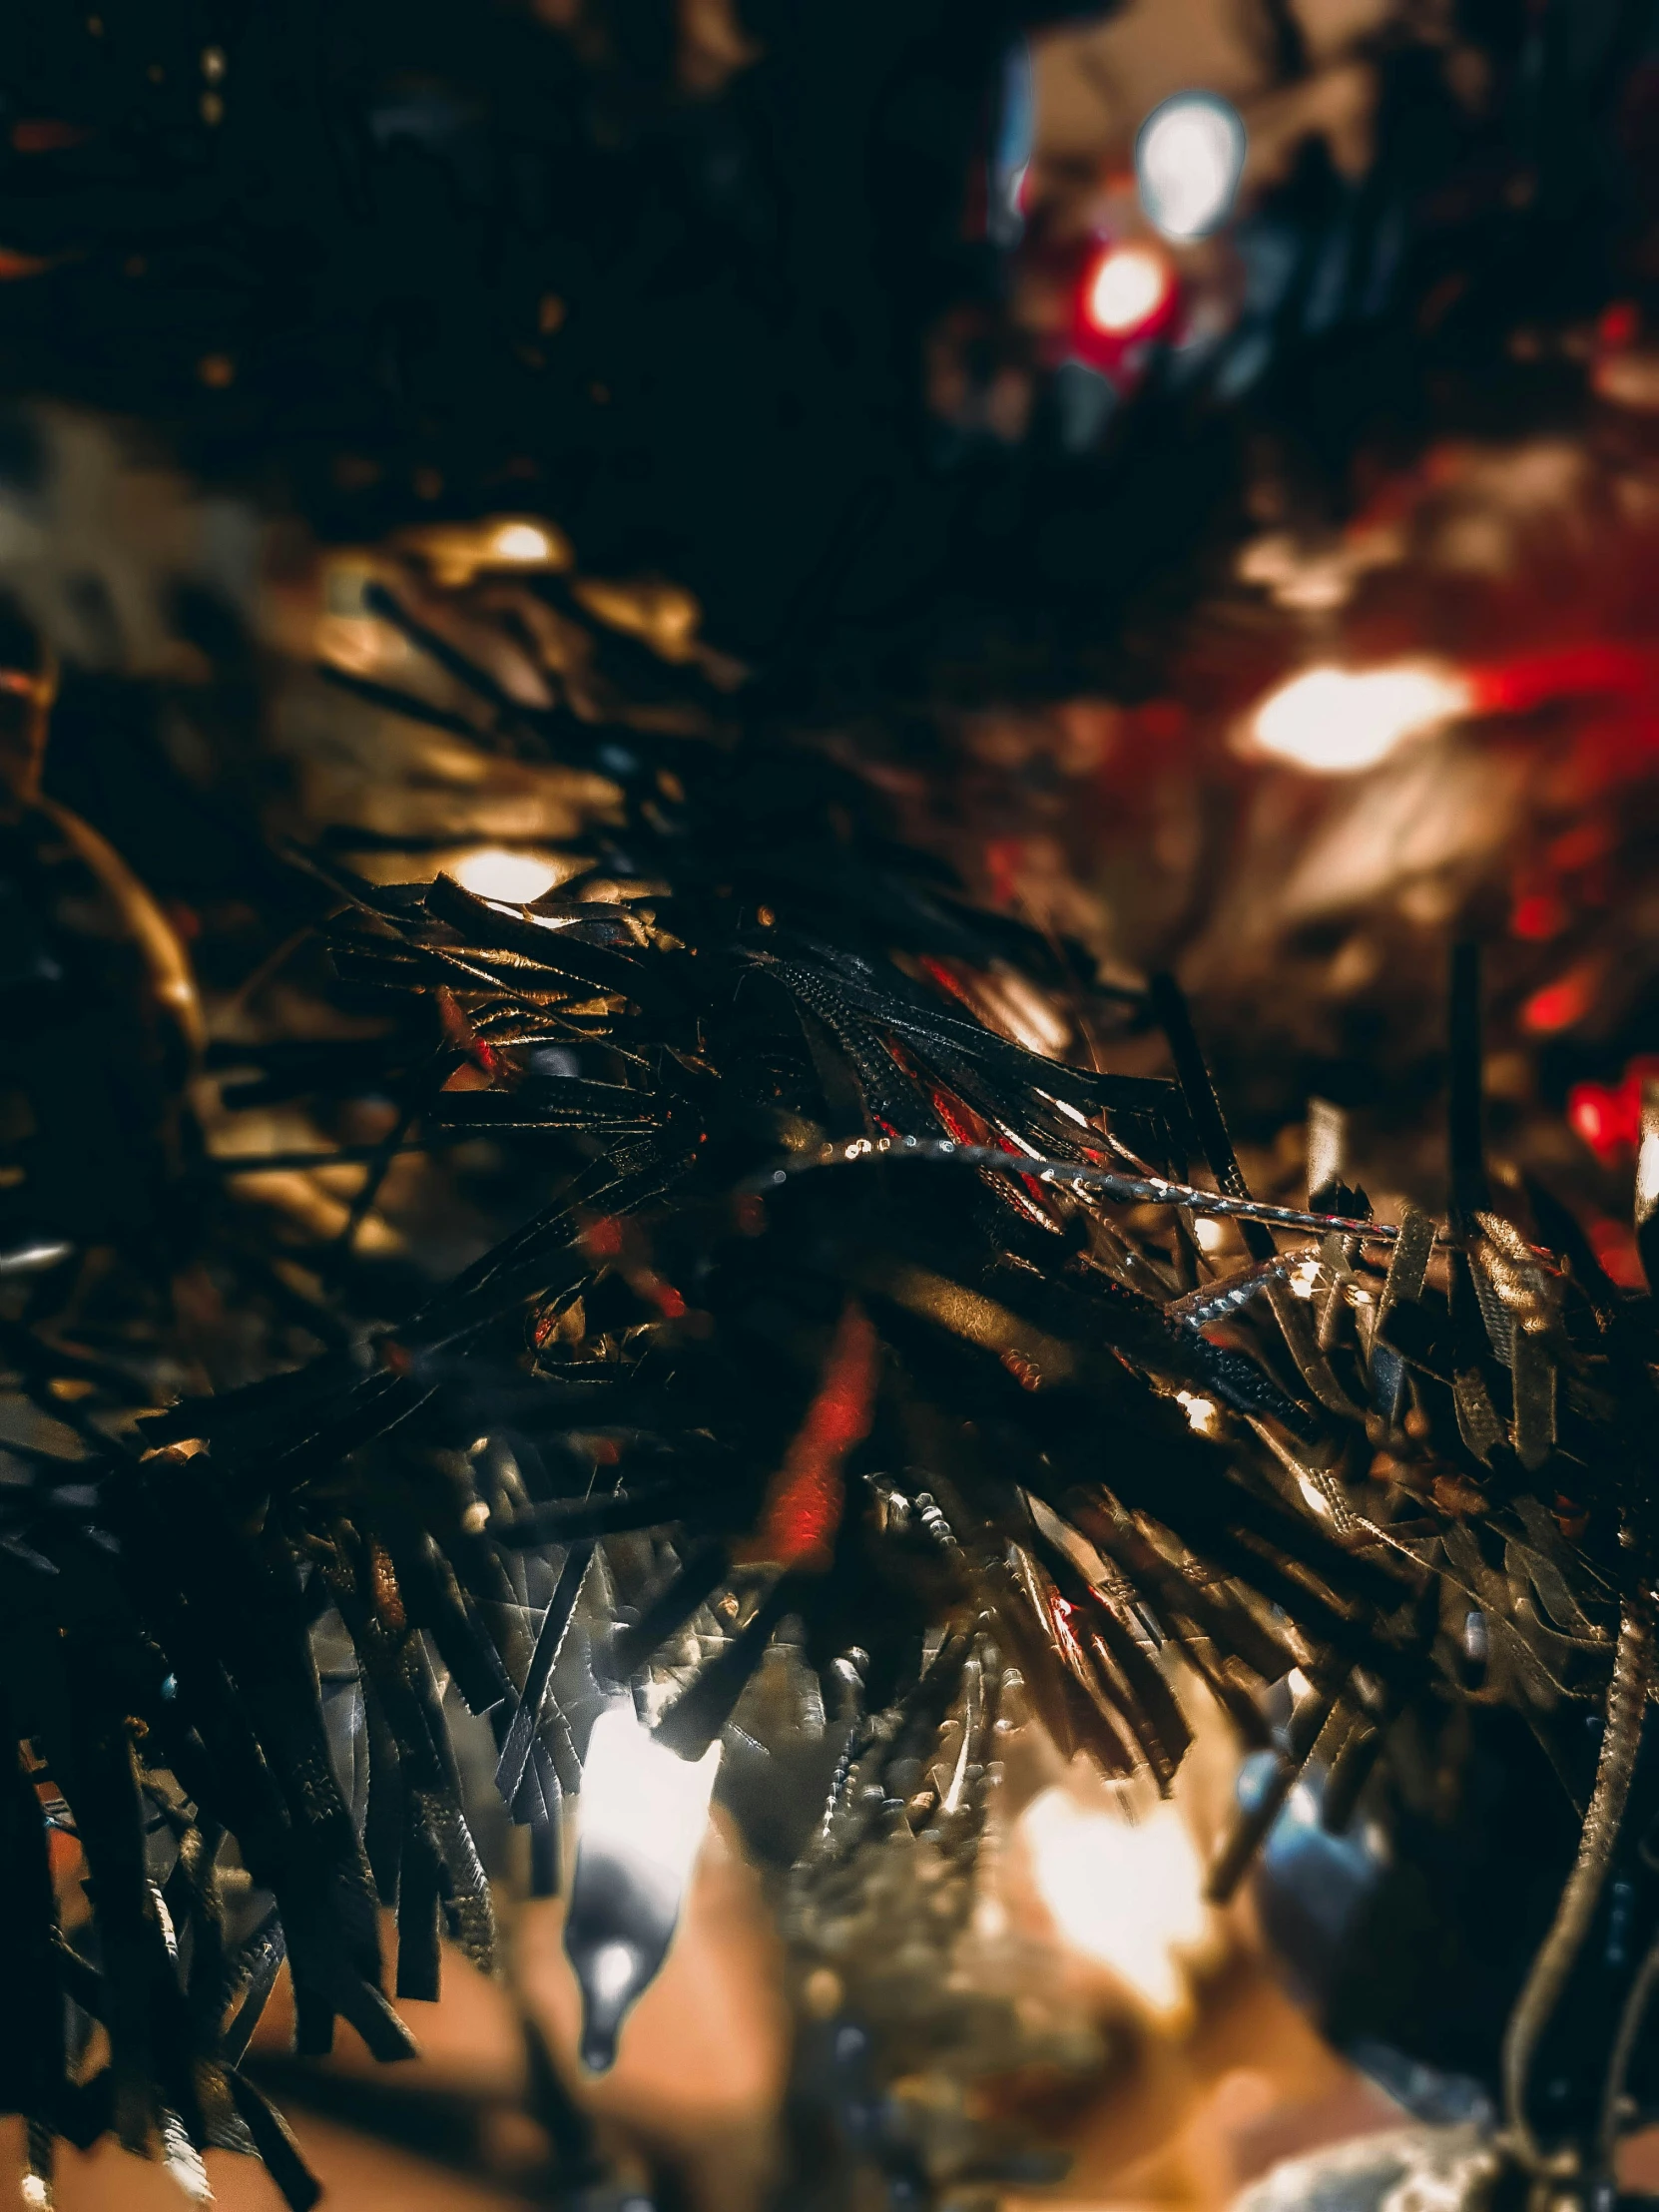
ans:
(1189, 156)
(1200, 1412)
(1314, 1498)
(512, 878)
(1337, 721)
(1130, 284)
(1647, 1156)
(644, 1803)
(641, 1818)
(1130, 1897)
(521, 541)
(612, 1971)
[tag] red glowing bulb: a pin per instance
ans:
(1559, 1005)
(1610, 1116)
(1538, 917)
(1127, 291)
(1593, 1112)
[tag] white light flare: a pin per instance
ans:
(1339, 721)
(512, 879)
(1647, 1155)
(1127, 289)
(1303, 1279)
(524, 544)
(1131, 1897)
(1201, 1412)
(1189, 157)
(641, 1818)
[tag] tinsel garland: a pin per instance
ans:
(882, 1323)
(889, 1329)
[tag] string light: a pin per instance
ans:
(1201, 1412)
(1647, 1156)
(1337, 721)
(642, 1817)
(512, 879)
(1126, 289)
(1189, 157)
(523, 543)
(1128, 1897)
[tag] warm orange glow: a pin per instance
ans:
(526, 542)
(1337, 721)
(664, 615)
(1129, 1895)
(456, 552)
(1126, 288)
(512, 878)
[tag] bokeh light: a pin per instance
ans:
(1129, 1896)
(1189, 157)
(525, 543)
(1337, 721)
(491, 872)
(1126, 289)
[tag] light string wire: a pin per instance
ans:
(1079, 1175)
(1552, 1967)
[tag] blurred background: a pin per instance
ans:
(1198, 463)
